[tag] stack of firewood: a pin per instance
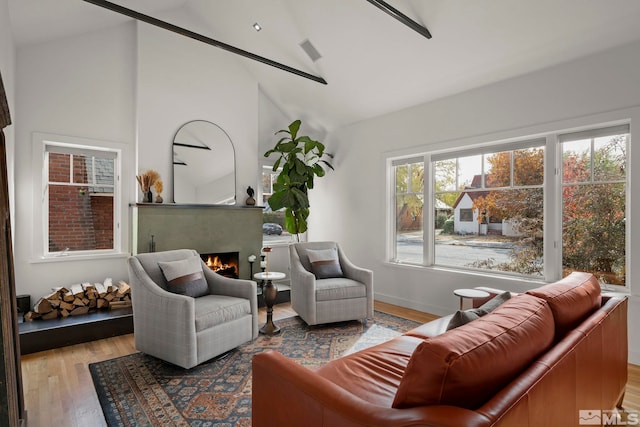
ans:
(81, 299)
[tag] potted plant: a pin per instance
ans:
(301, 159)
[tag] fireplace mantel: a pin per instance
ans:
(205, 228)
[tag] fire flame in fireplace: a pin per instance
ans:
(215, 264)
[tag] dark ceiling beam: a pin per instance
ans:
(382, 5)
(196, 36)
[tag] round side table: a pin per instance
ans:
(269, 293)
(469, 293)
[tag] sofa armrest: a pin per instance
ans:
(161, 319)
(221, 285)
(239, 288)
(303, 287)
(319, 402)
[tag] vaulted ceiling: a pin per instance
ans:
(373, 64)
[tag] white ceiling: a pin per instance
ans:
(373, 64)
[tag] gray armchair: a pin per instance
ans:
(333, 299)
(183, 330)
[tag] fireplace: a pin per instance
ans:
(223, 263)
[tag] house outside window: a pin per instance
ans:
(497, 195)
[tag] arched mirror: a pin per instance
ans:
(203, 165)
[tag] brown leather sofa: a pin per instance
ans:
(537, 360)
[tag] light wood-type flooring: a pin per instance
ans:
(59, 391)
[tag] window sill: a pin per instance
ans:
(87, 257)
(474, 273)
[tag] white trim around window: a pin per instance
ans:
(548, 134)
(43, 142)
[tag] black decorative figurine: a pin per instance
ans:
(250, 200)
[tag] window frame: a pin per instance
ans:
(552, 188)
(61, 143)
(392, 249)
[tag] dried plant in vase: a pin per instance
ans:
(147, 179)
(158, 186)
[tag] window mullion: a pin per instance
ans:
(428, 225)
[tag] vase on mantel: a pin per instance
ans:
(148, 197)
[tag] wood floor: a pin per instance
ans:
(59, 391)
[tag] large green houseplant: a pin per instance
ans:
(301, 159)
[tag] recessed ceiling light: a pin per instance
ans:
(257, 27)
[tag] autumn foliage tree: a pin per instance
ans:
(594, 211)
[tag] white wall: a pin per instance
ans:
(79, 87)
(179, 80)
(349, 205)
(133, 84)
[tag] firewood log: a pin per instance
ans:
(79, 310)
(123, 289)
(119, 304)
(52, 296)
(42, 306)
(66, 306)
(77, 290)
(108, 284)
(101, 289)
(53, 314)
(30, 316)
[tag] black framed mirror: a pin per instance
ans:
(203, 165)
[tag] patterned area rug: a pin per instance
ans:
(140, 390)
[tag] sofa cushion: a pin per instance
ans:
(462, 317)
(571, 299)
(339, 289)
(325, 263)
(185, 276)
(466, 366)
(213, 310)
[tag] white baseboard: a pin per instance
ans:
(415, 305)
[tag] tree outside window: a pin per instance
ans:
(409, 203)
(594, 206)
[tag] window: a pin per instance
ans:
(487, 206)
(495, 194)
(466, 215)
(79, 199)
(273, 230)
(78, 212)
(594, 166)
(409, 200)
